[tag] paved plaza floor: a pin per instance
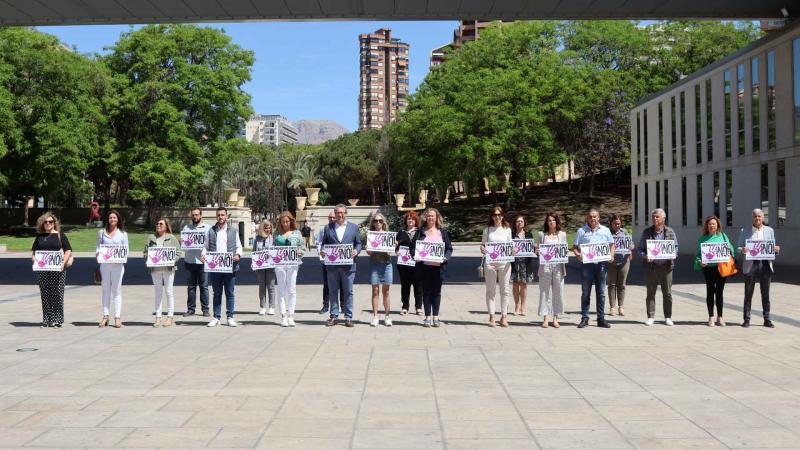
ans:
(462, 386)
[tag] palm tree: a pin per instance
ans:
(306, 176)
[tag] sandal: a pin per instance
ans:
(555, 324)
(117, 322)
(168, 322)
(103, 322)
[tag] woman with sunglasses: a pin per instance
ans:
(265, 277)
(521, 269)
(111, 273)
(408, 275)
(163, 277)
(380, 267)
(51, 284)
(497, 230)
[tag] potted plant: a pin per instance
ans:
(398, 199)
(306, 176)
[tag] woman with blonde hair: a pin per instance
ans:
(288, 235)
(51, 283)
(265, 277)
(163, 277)
(380, 267)
(431, 274)
(715, 283)
(498, 273)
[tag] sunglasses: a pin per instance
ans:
(497, 215)
(160, 224)
(49, 221)
(377, 221)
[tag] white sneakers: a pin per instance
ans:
(271, 312)
(262, 312)
(284, 321)
(291, 321)
(650, 321)
(387, 321)
(214, 322)
(374, 322)
(231, 322)
(668, 322)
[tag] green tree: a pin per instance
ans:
(350, 164)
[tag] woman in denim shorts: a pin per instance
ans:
(380, 269)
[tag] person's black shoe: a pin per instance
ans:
(603, 324)
(188, 314)
(584, 323)
(768, 323)
(746, 324)
(323, 310)
(206, 314)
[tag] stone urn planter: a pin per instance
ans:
(352, 201)
(240, 201)
(313, 196)
(301, 203)
(423, 196)
(398, 199)
(231, 196)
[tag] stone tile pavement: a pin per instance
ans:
(463, 386)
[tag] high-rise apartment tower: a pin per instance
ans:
(384, 78)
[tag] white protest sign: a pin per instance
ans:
(553, 253)
(404, 257)
(381, 241)
(48, 261)
(161, 256)
(760, 250)
(526, 248)
(112, 254)
(193, 240)
(661, 249)
(715, 252)
(219, 262)
(338, 254)
(285, 255)
(596, 253)
(499, 252)
(260, 260)
(429, 251)
(623, 244)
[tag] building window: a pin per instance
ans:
(765, 192)
(658, 194)
(666, 198)
(698, 126)
(740, 107)
(754, 103)
(646, 204)
(674, 112)
(683, 129)
(771, 136)
(636, 204)
(660, 136)
(699, 198)
(729, 198)
(716, 194)
(684, 219)
(726, 76)
(796, 74)
(645, 148)
(781, 193)
(638, 144)
(709, 124)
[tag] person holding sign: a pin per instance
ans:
(658, 248)
(521, 268)
(551, 275)
(50, 241)
(326, 294)
(287, 235)
(112, 272)
(431, 271)
(222, 238)
(618, 268)
(758, 237)
(408, 277)
(497, 230)
(715, 243)
(593, 273)
(381, 270)
(193, 237)
(163, 275)
(265, 277)
(341, 277)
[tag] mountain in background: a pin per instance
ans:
(318, 131)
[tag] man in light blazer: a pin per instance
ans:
(753, 271)
(340, 278)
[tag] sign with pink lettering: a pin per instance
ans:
(161, 256)
(596, 253)
(661, 249)
(760, 250)
(553, 254)
(426, 251)
(338, 254)
(112, 254)
(48, 261)
(716, 252)
(219, 262)
(260, 260)
(193, 240)
(381, 241)
(499, 252)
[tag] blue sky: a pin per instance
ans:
(303, 70)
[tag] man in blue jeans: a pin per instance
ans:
(196, 278)
(593, 273)
(226, 239)
(341, 277)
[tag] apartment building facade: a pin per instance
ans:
(269, 130)
(383, 92)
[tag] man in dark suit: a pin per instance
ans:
(340, 278)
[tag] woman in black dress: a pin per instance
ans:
(51, 283)
(521, 269)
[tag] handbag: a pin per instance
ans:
(727, 269)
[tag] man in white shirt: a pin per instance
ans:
(223, 238)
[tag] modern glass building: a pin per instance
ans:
(723, 141)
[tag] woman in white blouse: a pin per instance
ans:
(551, 276)
(499, 273)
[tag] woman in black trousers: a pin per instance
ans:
(431, 274)
(51, 284)
(408, 275)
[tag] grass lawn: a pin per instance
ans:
(81, 239)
